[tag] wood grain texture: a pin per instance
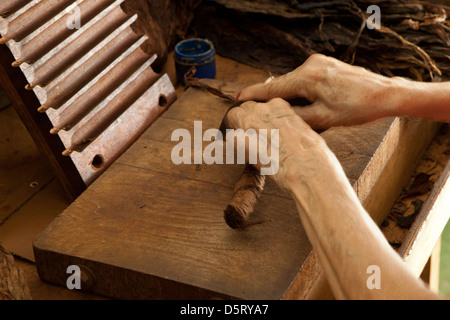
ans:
(149, 229)
(429, 224)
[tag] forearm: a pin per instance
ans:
(423, 100)
(346, 238)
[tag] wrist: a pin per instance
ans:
(418, 99)
(322, 187)
(405, 91)
(396, 91)
(317, 167)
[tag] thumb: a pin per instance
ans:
(314, 115)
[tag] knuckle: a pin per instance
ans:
(319, 61)
(316, 58)
(247, 105)
(233, 116)
(278, 102)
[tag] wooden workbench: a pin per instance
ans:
(148, 229)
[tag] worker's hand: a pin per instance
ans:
(300, 149)
(340, 94)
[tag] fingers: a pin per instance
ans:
(299, 83)
(248, 115)
(286, 87)
(260, 115)
(236, 116)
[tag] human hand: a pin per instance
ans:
(340, 94)
(302, 153)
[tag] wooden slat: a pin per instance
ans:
(428, 226)
(11, 5)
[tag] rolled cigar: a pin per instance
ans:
(250, 186)
(247, 192)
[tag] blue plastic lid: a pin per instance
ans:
(194, 51)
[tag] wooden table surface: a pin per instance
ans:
(149, 229)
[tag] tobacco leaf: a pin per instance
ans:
(407, 221)
(420, 185)
(278, 36)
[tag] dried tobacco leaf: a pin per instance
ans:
(413, 41)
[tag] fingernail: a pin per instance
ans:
(239, 94)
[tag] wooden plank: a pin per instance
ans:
(26, 104)
(428, 226)
(155, 237)
(418, 217)
(28, 220)
(26, 191)
(20, 159)
(431, 271)
(150, 229)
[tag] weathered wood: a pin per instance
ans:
(13, 285)
(428, 226)
(150, 229)
(25, 102)
(101, 61)
(431, 272)
(420, 213)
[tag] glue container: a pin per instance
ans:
(195, 52)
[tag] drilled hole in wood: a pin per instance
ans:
(97, 162)
(162, 101)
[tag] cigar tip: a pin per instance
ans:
(29, 86)
(42, 109)
(55, 130)
(67, 152)
(16, 63)
(234, 218)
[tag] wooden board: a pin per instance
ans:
(148, 229)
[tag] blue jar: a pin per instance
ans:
(195, 52)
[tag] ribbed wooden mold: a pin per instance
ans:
(86, 64)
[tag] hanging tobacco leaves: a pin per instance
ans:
(278, 36)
